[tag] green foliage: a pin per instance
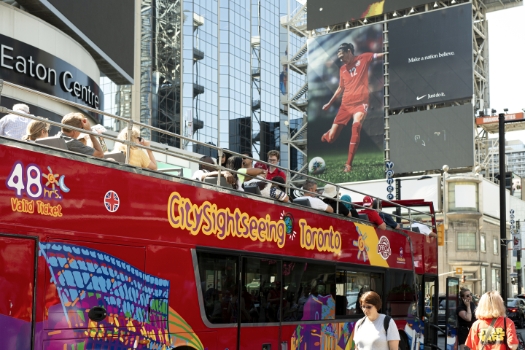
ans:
(366, 166)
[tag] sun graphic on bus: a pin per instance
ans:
(361, 245)
(52, 179)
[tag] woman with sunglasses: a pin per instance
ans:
(466, 316)
(369, 332)
(492, 330)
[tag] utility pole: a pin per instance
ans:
(502, 210)
(518, 254)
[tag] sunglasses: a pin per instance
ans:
(467, 295)
(140, 139)
(368, 307)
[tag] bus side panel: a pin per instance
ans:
(16, 292)
(185, 323)
(257, 337)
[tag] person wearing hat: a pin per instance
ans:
(353, 85)
(373, 216)
(329, 193)
(310, 188)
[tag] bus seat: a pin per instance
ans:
(252, 188)
(302, 201)
(117, 155)
(363, 217)
(53, 141)
(213, 181)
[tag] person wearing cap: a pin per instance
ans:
(373, 216)
(329, 194)
(353, 85)
(13, 125)
(315, 203)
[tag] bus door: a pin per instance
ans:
(452, 297)
(262, 293)
(94, 294)
(429, 309)
(17, 291)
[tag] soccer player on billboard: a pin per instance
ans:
(353, 84)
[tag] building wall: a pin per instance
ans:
(24, 27)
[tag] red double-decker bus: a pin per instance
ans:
(96, 255)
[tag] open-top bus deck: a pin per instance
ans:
(100, 255)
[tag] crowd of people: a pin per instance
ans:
(238, 171)
(19, 127)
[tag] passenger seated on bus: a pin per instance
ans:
(78, 120)
(424, 229)
(347, 202)
(373, 216)
(274, 191)
(376, 204)
(236, 304)
(36, 130)
(315, 202)
(235, 163)
(329, 193)
(13, 125)
(203, 168)
(137, 156)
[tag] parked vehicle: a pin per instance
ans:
(516, 311)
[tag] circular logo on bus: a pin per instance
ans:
(383, 247)
(111, 201)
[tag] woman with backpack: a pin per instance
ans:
(375, 331)
(492, 330)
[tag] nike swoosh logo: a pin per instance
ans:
(419, 97)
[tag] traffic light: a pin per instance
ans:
(463, 279)
(441, 235)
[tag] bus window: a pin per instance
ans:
(308, 287)
(218, 275)
(400, 293)
(261, 290)
(350, 285)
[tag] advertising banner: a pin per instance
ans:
(427, 140)
(430, 57)
(345, 105)
(322, 13)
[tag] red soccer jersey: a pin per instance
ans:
(353, 78)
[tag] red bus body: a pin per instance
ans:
(77, 233)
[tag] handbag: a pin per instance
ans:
(488, 335)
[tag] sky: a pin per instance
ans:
(507, 62)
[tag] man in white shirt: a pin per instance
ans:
(316, 203)
(13, 125)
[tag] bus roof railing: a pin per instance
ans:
(132, 123)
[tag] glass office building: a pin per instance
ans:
(212, 70)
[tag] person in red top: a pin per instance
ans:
(491, 312)
(373, 216)
(273, 158)
(353, 84)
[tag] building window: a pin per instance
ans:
(482, 243)
(483, 280)
(466, 240)
(496, 245)
(495, 279)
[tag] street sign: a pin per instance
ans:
(459, 270)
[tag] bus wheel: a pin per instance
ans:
(403, 343)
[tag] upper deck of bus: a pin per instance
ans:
(50, 192)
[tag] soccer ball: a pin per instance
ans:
(316, 166)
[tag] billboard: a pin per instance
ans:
(427, 140)
(345, 105)
(322, 13)
(430, 57)
(90, 22)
